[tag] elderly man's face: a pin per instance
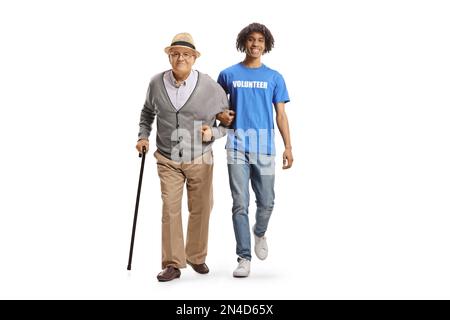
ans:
(181, 60)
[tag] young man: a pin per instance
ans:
(254, 91)
(185, 103)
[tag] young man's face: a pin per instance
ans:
(181, 60)
(255, 45)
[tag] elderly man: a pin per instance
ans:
(185, 103)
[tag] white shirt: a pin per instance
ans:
(179, 94)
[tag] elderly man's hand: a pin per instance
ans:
(206, 133)
(226, 117)
(142, 143)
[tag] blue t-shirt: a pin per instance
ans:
(253, 93)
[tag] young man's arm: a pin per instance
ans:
(283, 126)
(226, 117)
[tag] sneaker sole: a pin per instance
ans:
(236, 276)
(261, 258)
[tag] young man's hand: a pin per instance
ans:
(287, 158)
(206, 133)
(226, 117)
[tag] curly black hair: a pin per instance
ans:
(255, 27)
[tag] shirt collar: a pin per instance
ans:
(174, 82)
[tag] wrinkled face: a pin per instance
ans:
(182, 59)
(255, 45)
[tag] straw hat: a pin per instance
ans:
(182, 40)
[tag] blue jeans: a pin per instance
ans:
(259, 169)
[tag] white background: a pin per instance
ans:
(363, 214)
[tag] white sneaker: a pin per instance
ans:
(243, 269)
(261, 248)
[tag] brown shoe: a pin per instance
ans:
(200, 268)
(169, 273)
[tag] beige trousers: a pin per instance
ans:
(198, 178)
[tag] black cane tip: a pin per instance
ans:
(129, 267)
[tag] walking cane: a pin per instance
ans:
(136, 207)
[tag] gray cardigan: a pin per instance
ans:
(178, 134)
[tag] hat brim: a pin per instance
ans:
(167, 49)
